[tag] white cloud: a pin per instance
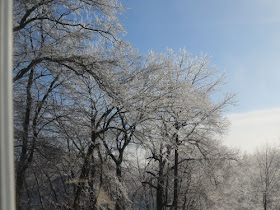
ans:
(252, 129)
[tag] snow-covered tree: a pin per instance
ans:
(92, 115)
(265, 176)
(185, 123)
(52, 38)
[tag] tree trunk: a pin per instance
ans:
(175, 192)
(265, 201)
(119, 175)
(22, 164)
(84, 175)
(92, 194)
(159, 196)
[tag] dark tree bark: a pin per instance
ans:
(160, 184)
(22, 164)
(264, 201)
(84, 175)
(176, 163)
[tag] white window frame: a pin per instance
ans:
(7, 186)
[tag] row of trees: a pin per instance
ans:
(255, 181)
(94, 117)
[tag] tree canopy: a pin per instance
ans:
(99, 125)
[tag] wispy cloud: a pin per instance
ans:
(252, 129)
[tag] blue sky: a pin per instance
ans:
(241, 36)
(243, 39)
